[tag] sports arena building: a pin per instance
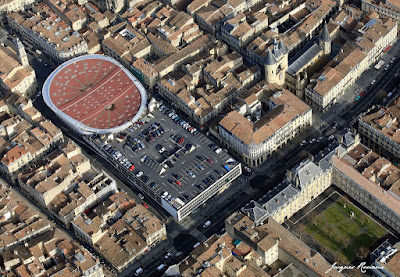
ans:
(94, 94)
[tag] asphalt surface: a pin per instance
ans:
(176, 156)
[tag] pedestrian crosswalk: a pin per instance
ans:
(174, 234)
(172, 250)
(198, 235)
(249, 190)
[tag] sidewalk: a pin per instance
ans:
(196, 219)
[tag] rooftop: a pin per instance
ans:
(96, 92)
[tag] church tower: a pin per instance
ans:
(276, 63)
(325, 40)
(23, 58)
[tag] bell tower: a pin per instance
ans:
(23, 58)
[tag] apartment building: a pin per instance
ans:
(302, 184)
(222, 256)
(373, 38)
(381, 203)
(119, 225)
(272, 242)
(390, 9)
(87, 189)
(379, 130)
(17, 75)
(20, 223)
(126, 44)
(30, 246)
(210, 18)
(43, 29)
(225, 77)
(309, 19)
(239, 31)
(23, 142)
(177, 29)
(7, 6)
(253, 134)
(114, 5)
(365, 177)
(58, 172)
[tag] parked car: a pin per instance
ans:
(139, 174)
(191, 174)
(153, 185)
(138, 271)
(207, 224)
(176, 176)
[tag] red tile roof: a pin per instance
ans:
(95, 92)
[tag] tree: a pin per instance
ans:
(301, 228)
(322, 249)
(314, 217)
(330, 231)
(363, 253)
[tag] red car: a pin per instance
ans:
(178, 183)
(145, 205)
(362, 93)
(132, 168)
(210, 161)
(181, 140)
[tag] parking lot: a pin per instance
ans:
(171, 157)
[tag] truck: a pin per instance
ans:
(207, 224)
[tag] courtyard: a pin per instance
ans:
(339, 230)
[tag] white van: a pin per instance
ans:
(196, 245)
(138, 271)
(161, 267)
(208, 223)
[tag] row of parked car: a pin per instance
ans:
(119, 157)
(152, 132)
(135, 144)
(174, 116)
(135, 126)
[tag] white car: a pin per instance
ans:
(191, 174)
(138, 271)
(165, 194)
(373, 82)
(139, 174)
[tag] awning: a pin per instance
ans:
(387, 48)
